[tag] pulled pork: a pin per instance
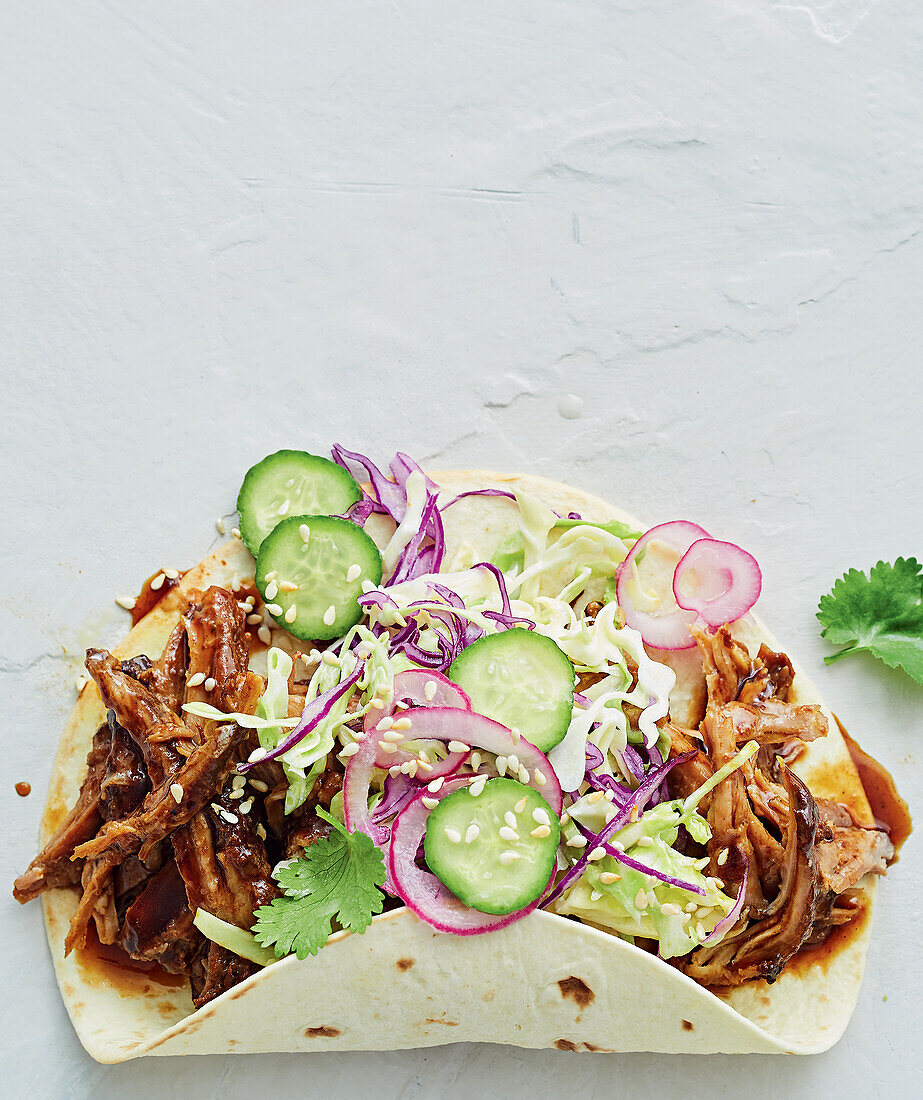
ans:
(800, 858)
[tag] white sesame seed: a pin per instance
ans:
(270, 576)
(386, 746)
(452, 835)
(400, 704)
(472, 832)
(595, 895)
(210, 684)
(700, 931)
(592, 799)
(305, 531)
(284, 507)
(81, 681)
(515, 735)
(235, 532)
(157, 582)
(239, 781)
(237, 793)
(287, 586)
(634, 814)
(520, 805)
(353, 573)
(261, 832)
(475, 760)
(255, 619)
(506, 833)
(272, 590)
(501, 765)
(608, 877)
(403, 724)
(128, 602)
(577, 842)
(215, 807)
(641, 899)
(350, 750)
(540, 779)
(276, 609)
(722, 857)
(540, 832)
(412, 768)
(596, 854)
(429, 690)
(430, 803)
(264, 635)
(195, 679)
(330, 659)
(171, 574)
(257, 754)
(506, 858)
(646, 842)
(523, 774)
(385, 723)
(424, 765)
(436, 784)
(393, 736)
(424, 756)
(510, 818)
(670, 910)
(177, 791)
(541, 816)
(330, 616)
(512, 762)
(246, 807)
(477, 787)
(259, 785)
(367, 587)
(378, 704)
(219, 523)
(231, 819)
(289, 615)
(458, 746)
(395, 770)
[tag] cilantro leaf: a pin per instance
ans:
(337, 877)
(881, 612)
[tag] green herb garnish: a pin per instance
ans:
(881, 613)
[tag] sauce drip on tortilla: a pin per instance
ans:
(110, 965)
(148, 597)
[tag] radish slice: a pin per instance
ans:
(728, 581)
(421, 891)
(413, 687)
(668, 626)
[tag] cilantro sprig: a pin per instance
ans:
(881, 613)
(337, 877)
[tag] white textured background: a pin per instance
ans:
(229, 227)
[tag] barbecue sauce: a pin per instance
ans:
(110, 965)
(148, 597)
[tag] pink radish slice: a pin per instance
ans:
(729, 581)
(667, 628)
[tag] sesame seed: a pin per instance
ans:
(378, 704)
(512, 762)
(284, 507)
(424, 765)
(177, 791)
(429, 690)
(396, 770)
(540, 779)
(670, 910)
(540, 832)
(255, 619)
(506, 858)
(692, 906)
(238, 792)
(264, 635)
(196, 679)
(452, 835)
(157, 582)
(272, 590)
(477, 787)
(330, 616)
(592, 799)
(523, 774)
(239, 781)
(350, 750)
(305, 531)
(235, 532)
(259, 785)
(515, 735)
(577, 842)
(386, 723)
(510, 818)
(270, 576)
(231, 819)
(353, 573)
(475, 760)
(290, 614)
(403, 724)
(386, 746)
(430, 803)
(646, 842)
(330, 658)
(596, 854)
(641, 900)
(700, 931)
(722, 857)
(472, 832)
(287, 586)
(171, 574)
(246, 807)
(634, 814)
(210, 684)
(128, 602)
(608, 877)
(367, 587)
(521, 805)
(276, 609)
(436, 784)
(506, 833)
(215, 807)
(257, 754)
(595, 895)
(400, 704)
(249, 601)
(455, 746)
(412, 769)
(219, 523)
(261, 832)
(541, 816)
(81, 681)
(393, 736)
(501, 765)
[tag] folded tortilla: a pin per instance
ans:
(543, 981)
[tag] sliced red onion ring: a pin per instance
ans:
(669, 628)
(420, 890)
(728, 922)
(729, 581)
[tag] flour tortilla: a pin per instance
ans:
(544, 981)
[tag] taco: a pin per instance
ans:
(425, 758)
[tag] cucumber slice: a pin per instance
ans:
(493, 873)
(291, 483)
(328, 568)
(522, 680)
